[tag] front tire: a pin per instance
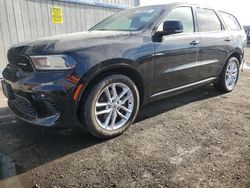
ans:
(111, 106)
(229, 76)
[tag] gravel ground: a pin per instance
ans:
(197, 139)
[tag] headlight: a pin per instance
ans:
(53, 62)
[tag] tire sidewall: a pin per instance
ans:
(232, 59)
(89, 107)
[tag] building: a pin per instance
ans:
(23, 20)
(247, 30)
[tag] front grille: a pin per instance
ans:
(20, 61)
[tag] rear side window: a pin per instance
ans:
(230, 21)
(208, 20)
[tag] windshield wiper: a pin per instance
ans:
(102, 29)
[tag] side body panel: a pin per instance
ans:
(175, 61)
(214, 52)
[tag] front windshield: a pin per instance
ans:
(129, 20)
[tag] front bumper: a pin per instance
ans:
(40, 101)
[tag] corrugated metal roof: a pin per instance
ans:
(98, 3)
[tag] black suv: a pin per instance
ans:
(101, 77)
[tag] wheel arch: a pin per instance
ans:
(237, 54)
(105, 69)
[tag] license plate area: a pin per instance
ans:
(7, 90)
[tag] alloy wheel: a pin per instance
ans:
(114, 106)
(231, 75)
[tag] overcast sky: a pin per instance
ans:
(240, 8)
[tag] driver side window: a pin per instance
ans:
(182, 14)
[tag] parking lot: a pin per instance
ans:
(196, 139)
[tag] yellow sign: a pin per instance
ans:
(56, 15)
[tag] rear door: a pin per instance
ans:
(216, 43)
(175, 56)
(234, 27)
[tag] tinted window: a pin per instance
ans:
(208, 20)
(130, 20)
(184, 15)
(230, 21)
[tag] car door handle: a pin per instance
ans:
(195, 42)
(228, 39)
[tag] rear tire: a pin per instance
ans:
(111, 106)
(229, 76)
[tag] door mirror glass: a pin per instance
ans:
(172, 27)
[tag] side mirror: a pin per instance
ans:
(169, 28)
(172, 27)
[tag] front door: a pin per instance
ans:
(176, 56)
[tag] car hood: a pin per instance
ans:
(70, 42)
